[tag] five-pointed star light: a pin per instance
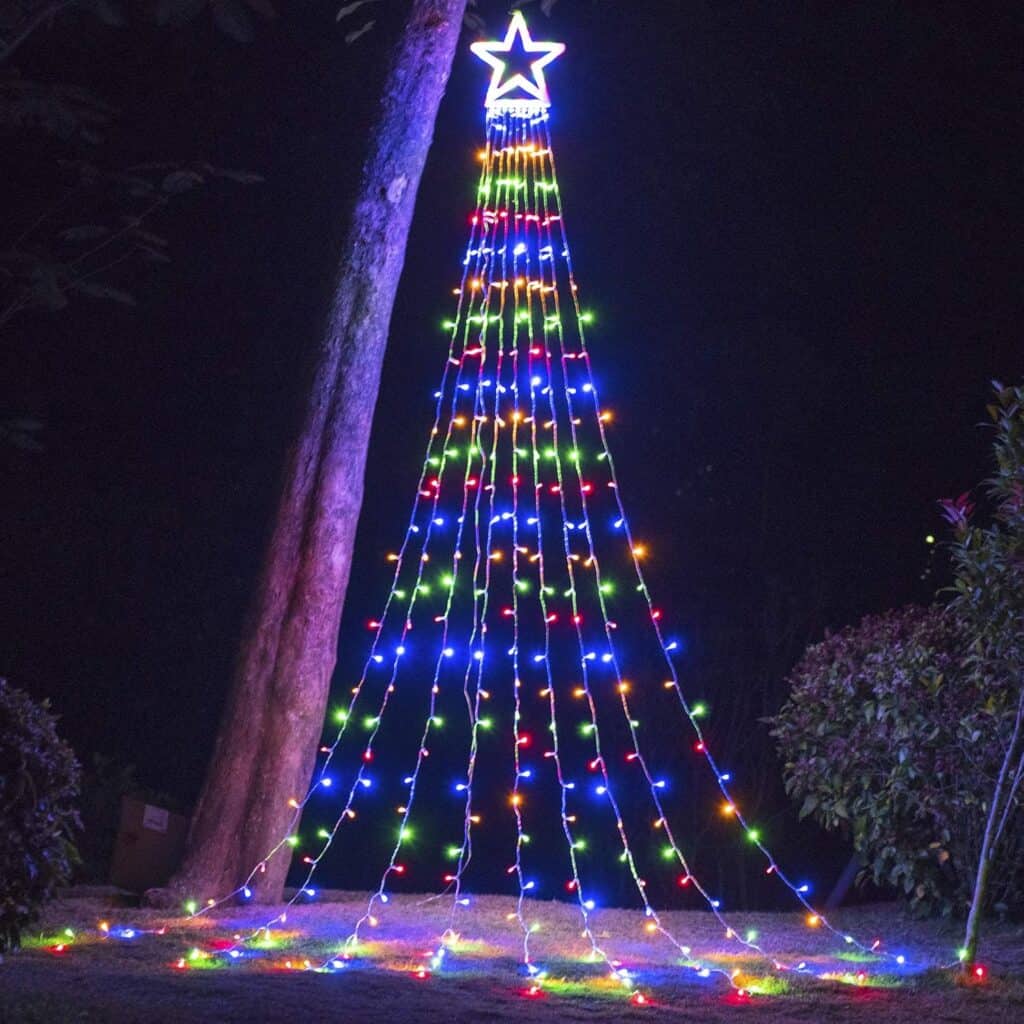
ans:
(510, 92)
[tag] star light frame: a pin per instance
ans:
(498, 97)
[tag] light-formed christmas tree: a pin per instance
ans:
(518, 604)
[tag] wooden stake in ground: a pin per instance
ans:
(265, 750)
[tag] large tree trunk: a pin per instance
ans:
(266, 748)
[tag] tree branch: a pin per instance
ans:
(50, 10)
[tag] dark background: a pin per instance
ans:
(799, 226)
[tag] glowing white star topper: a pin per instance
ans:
(518, 90)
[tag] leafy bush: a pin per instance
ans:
(38, 786)
(897, 729)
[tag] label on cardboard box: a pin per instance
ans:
(154, 818)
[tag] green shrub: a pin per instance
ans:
(897, 729)
(886, 735)
(39, 779)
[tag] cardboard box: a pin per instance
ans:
(149, 846)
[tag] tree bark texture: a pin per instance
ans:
(266, 748)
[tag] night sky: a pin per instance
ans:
(798, 224)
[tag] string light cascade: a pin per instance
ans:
(519, 583)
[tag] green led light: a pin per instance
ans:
(322, 833)
(753, 834)
(453, 852)
(341, 716)
(486, 723)
(607, 588)
(667, 853)
(699, 710)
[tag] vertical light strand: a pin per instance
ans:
(360, 780)
(721, 780)
(481, 599)
(662, 822)
(476, 226)
(518, 738)
(597, 953)
(444, 652)
(599, 762)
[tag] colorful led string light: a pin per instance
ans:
(543, 218)
(475, 250)
(815, 918)
(513, 250)
(480, 417)
(470, 483)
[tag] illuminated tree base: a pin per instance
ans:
(487, 945)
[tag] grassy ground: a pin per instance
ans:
(186, 975)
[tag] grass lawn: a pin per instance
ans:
(186, 974)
